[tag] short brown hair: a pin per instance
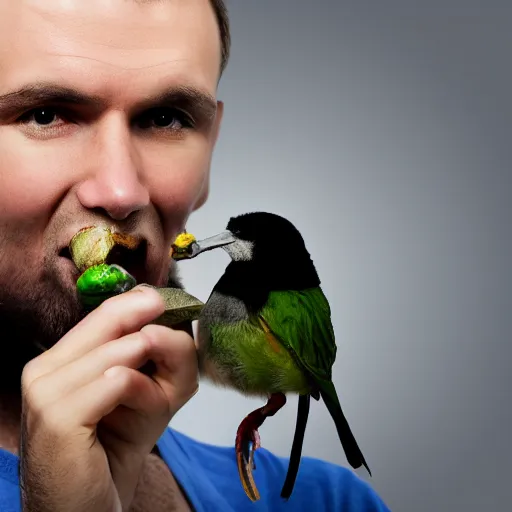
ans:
(221, 13)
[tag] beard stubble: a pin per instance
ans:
(35, 317)
(32, 316)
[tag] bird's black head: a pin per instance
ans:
(271, 234)
(267, 252)
(272, 247)
(265, 248)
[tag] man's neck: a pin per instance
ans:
(10, 421)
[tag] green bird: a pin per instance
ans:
(266, 331)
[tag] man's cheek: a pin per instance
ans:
(22, 263)
(30, 199)
(31, 203)
(179, 190)
(29, 187)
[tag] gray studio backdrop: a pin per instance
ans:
(383, 132)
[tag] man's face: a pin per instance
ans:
(107, 116)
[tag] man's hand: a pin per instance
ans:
(90, 417)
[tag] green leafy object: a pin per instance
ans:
(100, 282)
(180, 307)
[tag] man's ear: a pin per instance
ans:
(218, 120)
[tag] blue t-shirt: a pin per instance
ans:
(208, 475)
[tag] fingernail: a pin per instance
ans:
(142, 286)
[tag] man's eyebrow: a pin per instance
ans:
(32, 95)
(196, 102)
(199, 103)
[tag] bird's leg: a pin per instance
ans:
(248, 440)
(248, 429)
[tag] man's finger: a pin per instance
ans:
(132, 351)
(175, 356)
(117, 316)
(173, 352)
(89, 404)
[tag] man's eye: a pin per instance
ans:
(40, 116)
(167, 118)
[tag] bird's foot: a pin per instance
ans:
(248, 441)
(247, 436)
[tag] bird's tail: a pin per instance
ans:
(298, 439)
(352, 452)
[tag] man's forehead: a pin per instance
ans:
(109, 43)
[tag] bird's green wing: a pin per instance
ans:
(301, 320)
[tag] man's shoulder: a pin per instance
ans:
(320, 485)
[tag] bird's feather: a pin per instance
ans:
(353, 453)
(298, 440)
(301, 321)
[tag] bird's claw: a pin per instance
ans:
(249, 447)
(256, 439)
(247, 442)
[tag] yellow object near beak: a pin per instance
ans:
(181, 246)
(183, 240)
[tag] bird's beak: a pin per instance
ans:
(207, 244)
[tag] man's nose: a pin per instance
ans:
(114, 180)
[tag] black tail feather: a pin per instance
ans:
(352, 452)
(296, 453)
